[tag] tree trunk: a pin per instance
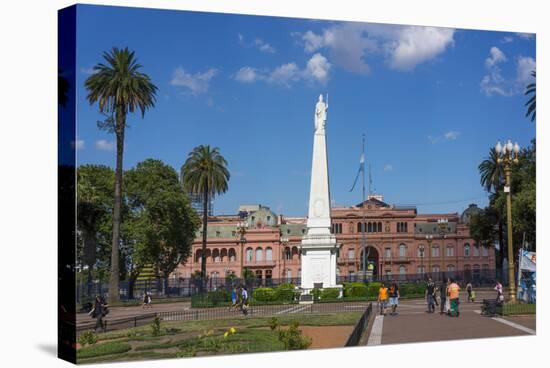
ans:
(204, 229)
(501, 246)
(89, 257)
(114, 279)
(131, 285)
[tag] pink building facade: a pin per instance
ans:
(397, 241)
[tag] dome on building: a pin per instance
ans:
(468, 212)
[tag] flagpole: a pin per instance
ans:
(364, 226)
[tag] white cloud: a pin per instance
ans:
(525, 36)
(264, 46)
(433, 140)
(404, 47)
(452, 135)
(416, 45)
(105, 145)
(388, 167)
(88, 71)
(525, 66)
(496, 57)
(284, 74)
(246, 75)
(495, 83)
(257, 43)
(507, 39)
(316, 70)
(197, 83)
(78, 144)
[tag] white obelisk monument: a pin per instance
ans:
(319, 245)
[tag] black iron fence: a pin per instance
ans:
(117, 324)
(360, 327)
(187, 287)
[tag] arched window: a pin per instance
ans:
(295, 254)
(268, 254)
(223, 255)
(249, 254)
(232, 255)
(466, 250)
(216, 255)
(402, 250)
(198, 255)
(259, 254)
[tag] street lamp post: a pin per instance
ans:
(507, 155)
(429, 239)
(421, 248)
(241, 229)
(443, 224)
(284, 242)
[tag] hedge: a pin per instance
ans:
(264, 294)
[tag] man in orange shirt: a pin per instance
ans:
(454, 294)
(382, 298)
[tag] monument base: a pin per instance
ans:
(318, 261)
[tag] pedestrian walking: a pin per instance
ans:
(244, 300)
(454, 294)
(500, 294)
(98, 312)
(469, 291)
(234, 299)
(443, 297)
(394, 298)
(382, 299)
(147, 300)
(430, 295)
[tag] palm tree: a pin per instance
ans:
(205, 173)
(119, 88)
(492, 179)
(492, 174)
(532, 103)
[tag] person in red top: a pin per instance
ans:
(454, 294)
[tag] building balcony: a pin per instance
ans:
(256, 264)
(397, 260)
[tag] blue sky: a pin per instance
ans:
(431, 101)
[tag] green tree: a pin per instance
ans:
(94, 210)
(492, 179)
(161, 221)
(119, 88)
(531, 104)
(205, 173)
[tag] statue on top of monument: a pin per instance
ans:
(320, 114)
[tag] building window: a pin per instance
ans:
(450, 268)
(337, 271)
(259, 274)
(435, 251)
(466, 250)
(337, 228)
(401, 227)
(249, 254)
(351, 253)
(218, 234)
(379, 227)
(387, 253)
(259, 255)
(232, 256)
(268, 218)
(402, 272)
(269, 254)
(421, 270)
(388, 274)
(289, 274)
(402, 250)
(477, 272)
(435, 270)
(485, 251)
(476, 250)
(450, 251)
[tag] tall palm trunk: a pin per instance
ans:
(204, 229)
(114, 280)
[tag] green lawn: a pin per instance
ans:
(200, 338)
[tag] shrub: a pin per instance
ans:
(87, 338)
(411, 289)
(264, 294)
(330, 293)
(316, 293)
(355, 290)
(372, 289)
(285, 293)
(273, 323)
(155, 326)
(293, 339)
